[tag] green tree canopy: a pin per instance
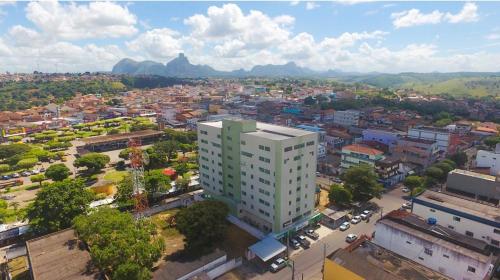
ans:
(435, 173)
(38, 178)
(338, 195)
(491, 141)
(460, 158)
(413, 182)
(56, 205)
(156, 182)
(27, 163)
(361, 181)
(7, 151)
(120, 246)
(4, 168)
(94, 162)
(57, 172)
(124, 192)
(203, 223)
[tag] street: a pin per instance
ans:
(308, 264)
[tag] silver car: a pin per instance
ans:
(277, 265)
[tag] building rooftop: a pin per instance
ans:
(270, 131)
(60, 256)
(120, 137)
(436, 234)
(362, 149)
(473, 174)
(431, 128)
(417, 140)
(373, 262)
(472, 207)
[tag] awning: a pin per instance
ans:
(267, 248)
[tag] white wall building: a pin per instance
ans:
(473, 219)
(488, 159)
(438, 248)
(441, 136)
(265, 173)
(346, 118)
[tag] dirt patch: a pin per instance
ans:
(174, 240)
(236, 242)
(323, 200)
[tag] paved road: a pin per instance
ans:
(309, 263)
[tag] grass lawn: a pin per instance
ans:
(174, 240)
(115, 176)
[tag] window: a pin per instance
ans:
(296, 157)
(455, 218)
(204, 150)
(408, 242)
(263, 170)
(469, 233)
(204, 141)
(432, 210)
(497, 231)
(446, 256)
(264, 159)
(288, 149)
(229, 138)
(262, 201)
(451, 227)
(262, 191)
(247, 154)
(203, 132)
(215, 144)
(298, 146)
(310, 143)
(420, 258)
(428, 251)
(243, 142)
(243, 173)
(264, 181)
(471, 269)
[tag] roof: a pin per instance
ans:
(378, 263)
(473, 174)
(181, 266)
(267, 248)
(60, 255)
(121, 136)
(362, 149)
(437, 234)
(417, 140)
(462, 205)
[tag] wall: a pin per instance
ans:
(490, 160)
(206, 267)
(229, 265)
(413, 248)
(480, 231)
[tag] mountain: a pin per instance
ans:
(181, 67)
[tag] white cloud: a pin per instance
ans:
(158, 44)
(414, 17)
(467, 14)
(294, 3)
(71, 21)
(493, 36)
(353, 2)
(312, 5)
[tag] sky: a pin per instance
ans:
(347, 35)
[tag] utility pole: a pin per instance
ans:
(293, 270)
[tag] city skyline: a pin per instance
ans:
(360, 36)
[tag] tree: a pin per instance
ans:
(309, 100)
(460, 158)
(27, 163)
(7, 151)
(435, 173)
(413, 182)
(56, 205)
(57, 172)
(4, 168)
(185, 148)
(94, 162)
(182, 182)
(124, 192)
(361, 181)
(181, 168)
(203, 223)
(113, 131)
(38, 178)
(339, 195)
(120, 246)
(166, 149)
(124, 154)
(491, 141)
(445, 167)
(155, 182)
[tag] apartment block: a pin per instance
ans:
(422, 152)
(356, 154)
(265, 173)
(439, 135)
(347, 117)
(471, 218)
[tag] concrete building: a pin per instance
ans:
(489, 159)
(347, 118)
(265, 173)
(384, 136)
(436, 247)
(356, 154)
(388, 171)
(417, 151)
(439, 135)
(476, 220)
(474, 185)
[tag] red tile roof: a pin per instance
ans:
(363, 149)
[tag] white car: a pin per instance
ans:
(406, 205)
(405, 190)
(368, 213)
(364, 216)
(278, 265)
(355, 220)
(344, 226)
(351, 237)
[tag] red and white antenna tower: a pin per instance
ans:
(137, 160)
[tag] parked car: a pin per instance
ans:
(294, 244)
(405, 190)
(337, 180)
(303, 241)
(16, 175)
(6, 177)
(355, 220)
(278, 264)
(42, 169)
(368, 213)
(35, 171)
(364, 216)
(351, 237)
(312, 234)
(25, 173)
(344, 226)
(406, 205)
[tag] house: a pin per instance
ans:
(385, 136)
(422, 152)
(388, 170)
(439, 135)
(490, 160)
(347, 118)
(465, 216)
(356, 154)
(439, 248)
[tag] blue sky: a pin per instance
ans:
(349, 35)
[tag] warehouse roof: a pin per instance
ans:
(121, 137)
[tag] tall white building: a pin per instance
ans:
(347, 117)
(265, 173)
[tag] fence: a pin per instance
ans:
(221, 269)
